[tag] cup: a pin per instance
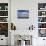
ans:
(6, 7)
(0, 7)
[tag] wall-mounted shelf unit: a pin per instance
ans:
(4, 19)
(42, 19)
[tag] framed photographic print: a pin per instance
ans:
(23, 14)
(42, 32)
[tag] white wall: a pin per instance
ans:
(32, 6)
(23, 24)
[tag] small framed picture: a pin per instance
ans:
(42, 33)
(23, 14)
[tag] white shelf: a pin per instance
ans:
(42, 16)
(41, 22)
(41, 28)
(41, 10)
(3, 22)
(3, 16)
(3, 10)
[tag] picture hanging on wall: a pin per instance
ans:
(23, 14)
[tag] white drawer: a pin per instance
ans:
(3, 41)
